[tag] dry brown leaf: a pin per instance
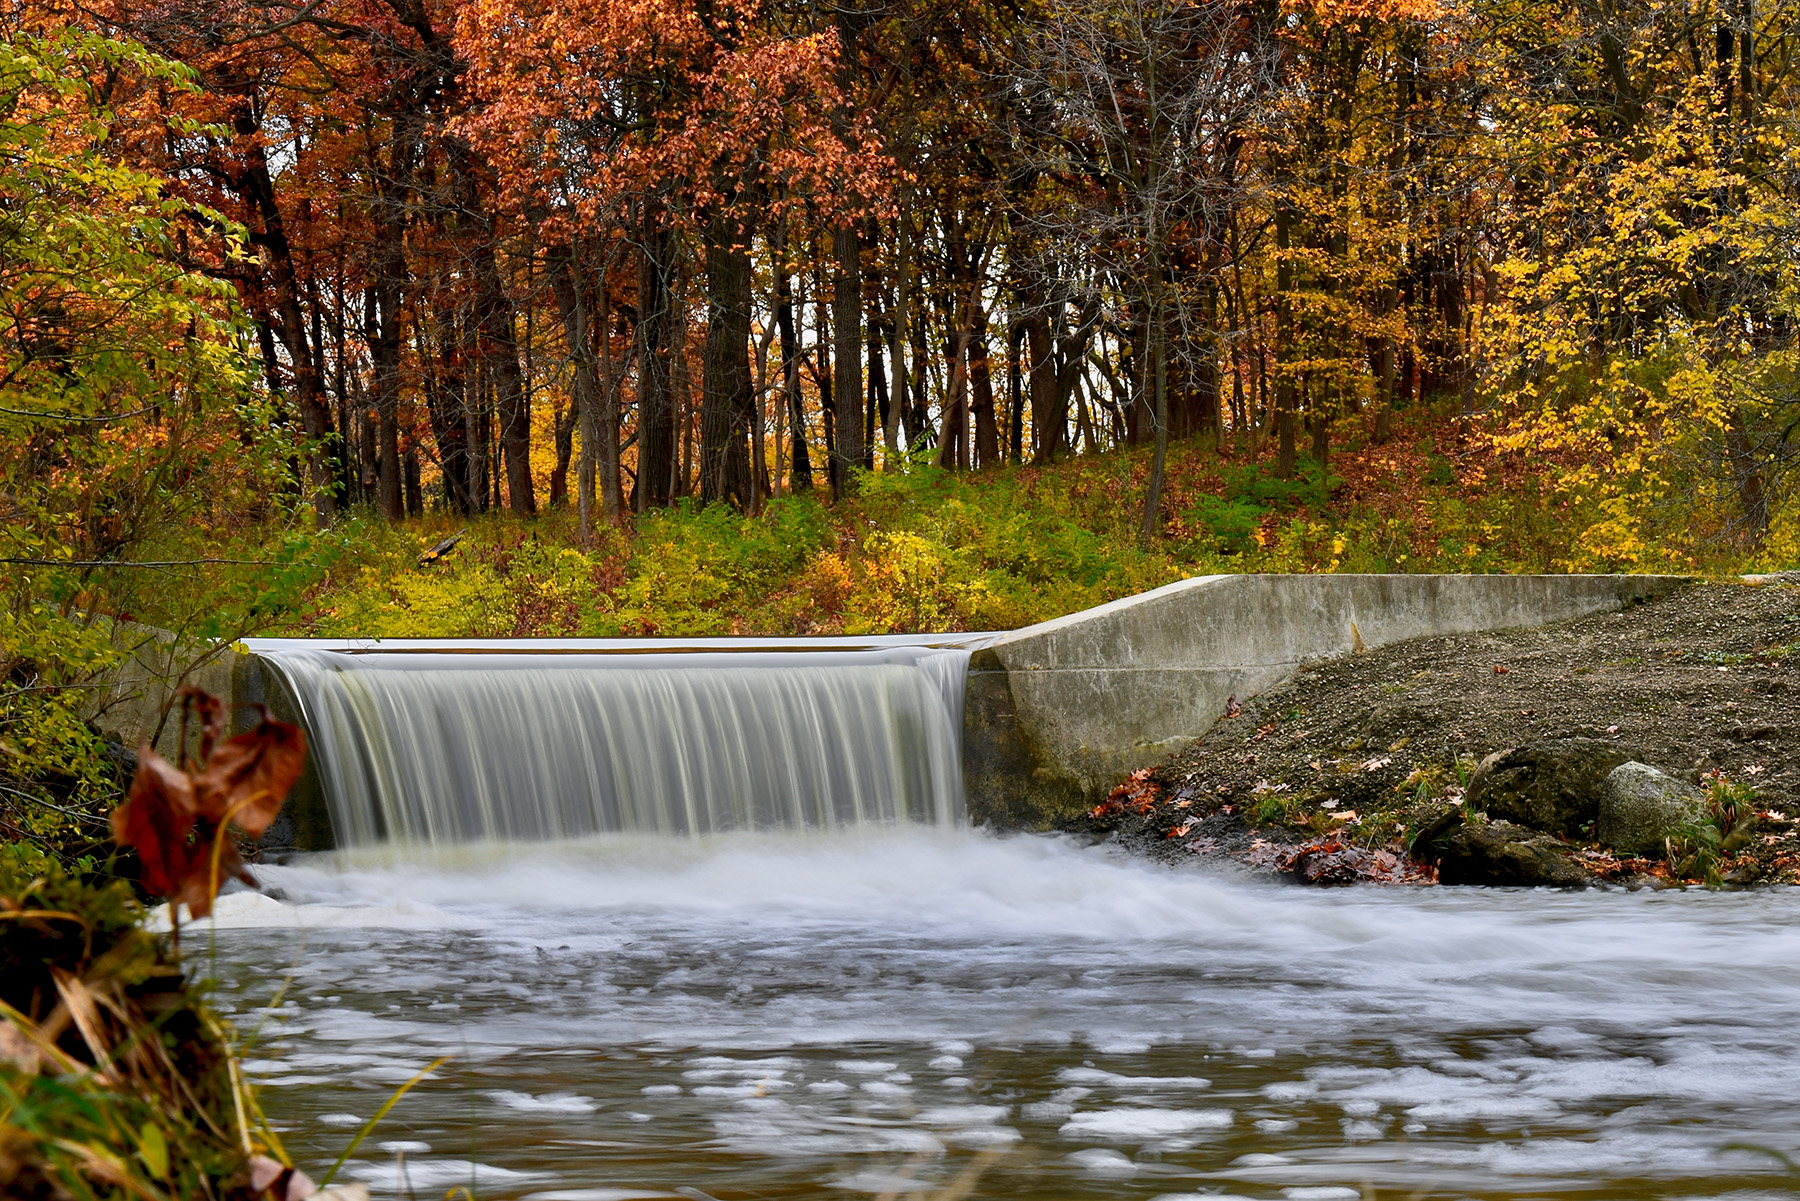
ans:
(155, 819)
(247, 778)
(86, 1016)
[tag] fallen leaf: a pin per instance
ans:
(280, 1181)
(1376, 764)
(247, 778)
(179, 822)
(1500, 670)
(214, 861)
(155, 820)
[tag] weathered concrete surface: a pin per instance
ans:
(154, 667)
(143, 688)
(1057, 713)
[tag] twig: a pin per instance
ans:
(71, 418)
(140, 562)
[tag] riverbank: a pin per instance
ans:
(1372, 767)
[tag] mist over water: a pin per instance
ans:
(879, 1010)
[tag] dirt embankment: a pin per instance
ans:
(1363, 768)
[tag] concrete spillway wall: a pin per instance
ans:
(1058, 713)
(1055, 714)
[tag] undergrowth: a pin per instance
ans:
(116, 1079)
(930, 550)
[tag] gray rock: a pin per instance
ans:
(1641, 807)
(1551, 785)
(1501, 853)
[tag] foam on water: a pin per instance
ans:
(777, 1012)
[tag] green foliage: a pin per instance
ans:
(1231, 522)
(1311, 487)
(692, 563)
(139, 1101)
(1231, 525)
(130, 421)
(1701, 849)
(931, 549)
(927, 550)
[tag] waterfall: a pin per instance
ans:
(438, 742)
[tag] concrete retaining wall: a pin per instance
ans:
(142, 688)
(1058, 713)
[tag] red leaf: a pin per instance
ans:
(156, 819)
(200, 884)
(248, 777)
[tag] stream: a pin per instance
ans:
(912, 1012)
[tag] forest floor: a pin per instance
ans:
(1329, 777)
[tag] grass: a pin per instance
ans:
(116, 1079)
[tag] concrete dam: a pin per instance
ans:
(426, 741)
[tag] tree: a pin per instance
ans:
(1150, 102)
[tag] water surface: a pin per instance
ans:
(887, 1011)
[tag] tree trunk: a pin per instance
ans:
(449, 416)
(1015, 395)
(918, 421)
(257, 186)
(1321, 427)
(1047, 414)
(656, 391)
(415, 496)
(981, 388)
(880, 404)
(1159, 386)
(953, 436)
(1384, 408)
(500, 350)
(799, 461)
(383, 316)
(727, 385)
(571, 307)
(847, 382)
(1284, 382)
(891, 417)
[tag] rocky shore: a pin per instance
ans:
(1651, 747)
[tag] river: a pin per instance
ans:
(911, 1011)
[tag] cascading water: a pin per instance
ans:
(836, 989)
(434, 743)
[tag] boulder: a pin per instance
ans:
(1551, 785)
(1502, 853)
(1641, 807)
